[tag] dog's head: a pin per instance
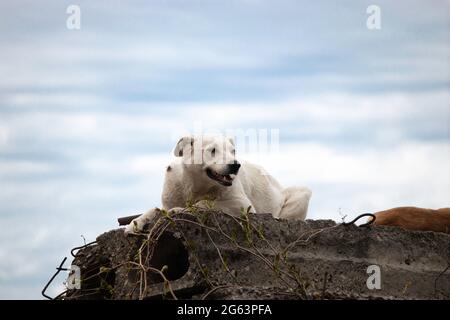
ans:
(212, 158)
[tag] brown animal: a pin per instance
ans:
(413, 218)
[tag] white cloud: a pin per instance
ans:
(4, 133)
(414, 173)
(150, 164)
(57, 101)
(413, 163)
(332, 118)
(336, 107)
(23, 168)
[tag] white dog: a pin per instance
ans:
(206, 168)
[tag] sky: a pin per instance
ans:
(89, 117)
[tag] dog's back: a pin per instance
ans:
(413, 218)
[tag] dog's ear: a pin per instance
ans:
(182, 144)
(231, 139)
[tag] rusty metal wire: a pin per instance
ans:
(81, 247)
(359, 217)
(58, 270)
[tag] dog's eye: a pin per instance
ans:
(213, 152)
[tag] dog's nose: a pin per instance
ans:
(234, 167)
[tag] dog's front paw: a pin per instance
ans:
(140, 224)
(136, 226)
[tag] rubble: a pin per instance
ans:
(211, 255)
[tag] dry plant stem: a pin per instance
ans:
(215, 289)
(199, 219)
(260, 256)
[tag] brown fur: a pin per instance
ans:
(413, 218)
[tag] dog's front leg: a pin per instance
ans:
(138, 225)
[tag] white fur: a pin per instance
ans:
(186, 181)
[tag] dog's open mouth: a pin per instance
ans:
(224, 180)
